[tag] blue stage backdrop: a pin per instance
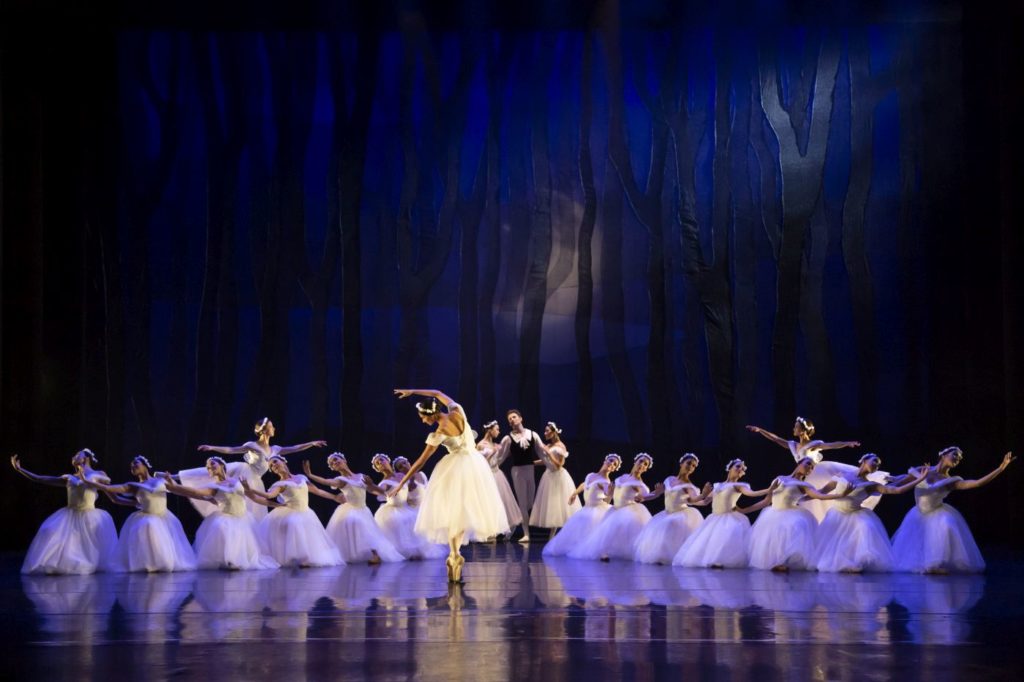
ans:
(650, 235)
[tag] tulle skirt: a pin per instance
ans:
(225, 541)
(824, 472)
(577, 530)
(551, 508)
(722, 540)
(398, 524)
(73, 541)
(462, 498)
(852, 541)
(357, 536)
(294, 537)
(508, 499)
(199, 478)
(154, 542)
(660, 540)
(936, 541)
(615, 537)
(783, 537)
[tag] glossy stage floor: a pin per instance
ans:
(517, 617)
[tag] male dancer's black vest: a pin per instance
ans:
(522, 455)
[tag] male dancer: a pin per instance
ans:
(521, 444)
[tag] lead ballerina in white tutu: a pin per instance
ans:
(351, 526)
(824, 470)
(782, 538)
(292, 533)
(934, 538)
(152, 539)
(555, 502)
(722, 540)
(596, 489)
(79, 538)
(615, 537)
(661, 539)
(255, 457)
(462, 503)
(852, 539)
(495, 456)
(226, 539)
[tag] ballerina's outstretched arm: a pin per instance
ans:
(203, 494)
(838, 445)
(337, 497)
(987, 478)
(759, 493)
(292, 449)
(426, 393)
(55, 481)
(659, 489)
(428, 452)
(258, 495)
(883, 489)
(703, 497)
(778, 440)
(336, 482)
(231, 449)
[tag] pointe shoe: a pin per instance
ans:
(454, 565)
(525, 540)
(375, 559)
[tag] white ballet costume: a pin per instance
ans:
(254, 464)
(723, 538)
(226, 539)
(75, 540)
(292, 534)
(551, 508)
(852, 538)
(615, 537)
(784, 533)
(660, 540)
(492, 453)
(396, 519)
(353, 529)
(462, 498)
(825, 471)
(152, 539)
(934, 536)
(416, 491)
(581, 525)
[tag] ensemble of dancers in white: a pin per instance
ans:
(818, 517)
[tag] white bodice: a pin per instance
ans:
(80, 496)
(676, 494)
(152, 496)
(230, 497)
(930, 496)
(354, 491)
(557, 448)
(258, 460)
(627, 487)
(595, 490)
(399, 500)
(810, 449)
(462, 443)
(725, 495)
(788, 494)
(852, 501)
(294, 492)
(490, 452)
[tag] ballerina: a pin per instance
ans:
(722, 540)
(77, 539)
(615, 537)
(550, 509)
(255, 458)
(351, 526)
(226, 539)
(462, 503)
(596, 488)
(418, 483)
(396, 517)
(852, 539)
(933, 537)
(152, 539)
(292, 533)
(824, 470)
(782, 538)
(661, 539)
(495, 456)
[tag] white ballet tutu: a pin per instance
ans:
(357, 537)
(200, 478)
(783, 537)
(508, 498)
(938, 540)
(229, 542)
(823, 473)
(152, 543)
(73, 541)
(615, 537)
(721, 540)
(577, 530)
(852, 541)
(294, 537)
(660, 540)
(462, 498)
(551, 508)
(398, 524)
